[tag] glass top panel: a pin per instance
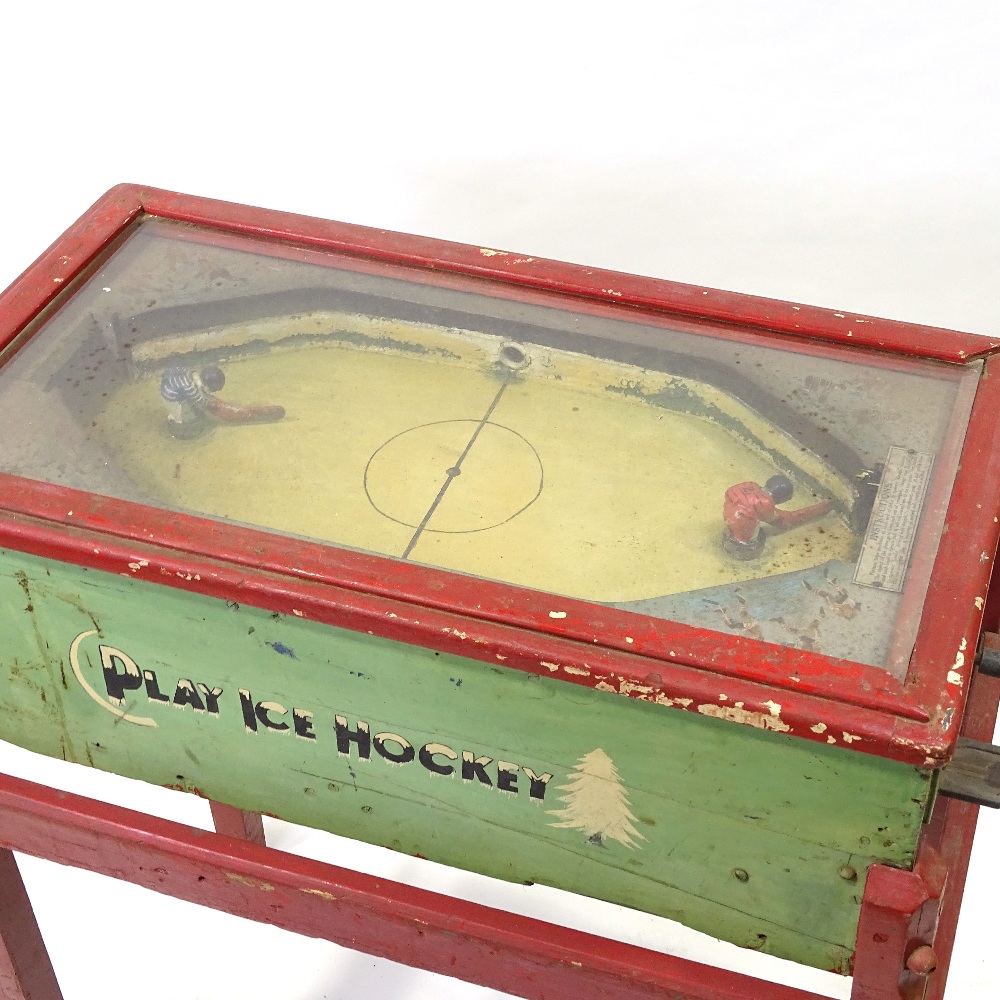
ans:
(792, 494)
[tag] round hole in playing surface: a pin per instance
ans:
(514, 357)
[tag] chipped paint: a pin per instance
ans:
(947, 717)
(500, 656)
(979, 600)
(924, 748)
(578, 671)
(850, 738)
(321, 893)
(746, 717)
(774, 708)
(555, 666)
(486, 252)
(611, 291)
(138, 564)
(954, 676)
(297, 613)
(819, 728)
(831, 739)
(629, 639)
(557, 614)
(662, 699)
(627, 688)
(255, 883)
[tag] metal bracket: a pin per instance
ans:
(988, 654)
(973, 774)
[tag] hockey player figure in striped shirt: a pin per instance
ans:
(192, 406)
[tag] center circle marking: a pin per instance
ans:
(498, 478)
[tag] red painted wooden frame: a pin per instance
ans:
(907, 918)
(905, 915)
(675, 665)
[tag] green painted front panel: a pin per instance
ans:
(731, 830)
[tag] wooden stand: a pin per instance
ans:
(907, 917)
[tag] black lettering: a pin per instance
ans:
(405, 753)
(153, 692)
(430, 750)
(345, 736)
(506, 776)
(118, 681)
(186, 695)
(539, 782)
(302, 720)
(249, 716)
(263, 711)
(211, 698)
(473, 767)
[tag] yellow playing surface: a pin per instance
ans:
(573, 483)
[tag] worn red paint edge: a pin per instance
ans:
(661, 319)
(571, 279)
(668, 685)
(423, 929)
(945, 647)
(751, 659)
(120, 206)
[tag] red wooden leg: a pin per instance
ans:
(895, 954)
(25, 970)
(908, 922)
(236, 823)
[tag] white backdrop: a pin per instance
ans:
(844, 154)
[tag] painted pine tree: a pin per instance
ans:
(596, 803)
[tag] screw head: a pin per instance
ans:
(847, 873)
(740, 875)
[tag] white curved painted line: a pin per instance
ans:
(74, 662)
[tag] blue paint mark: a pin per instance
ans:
(280, 647)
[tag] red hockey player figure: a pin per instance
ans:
(191, 404)
(748, 505)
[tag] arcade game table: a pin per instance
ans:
(661, 595)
